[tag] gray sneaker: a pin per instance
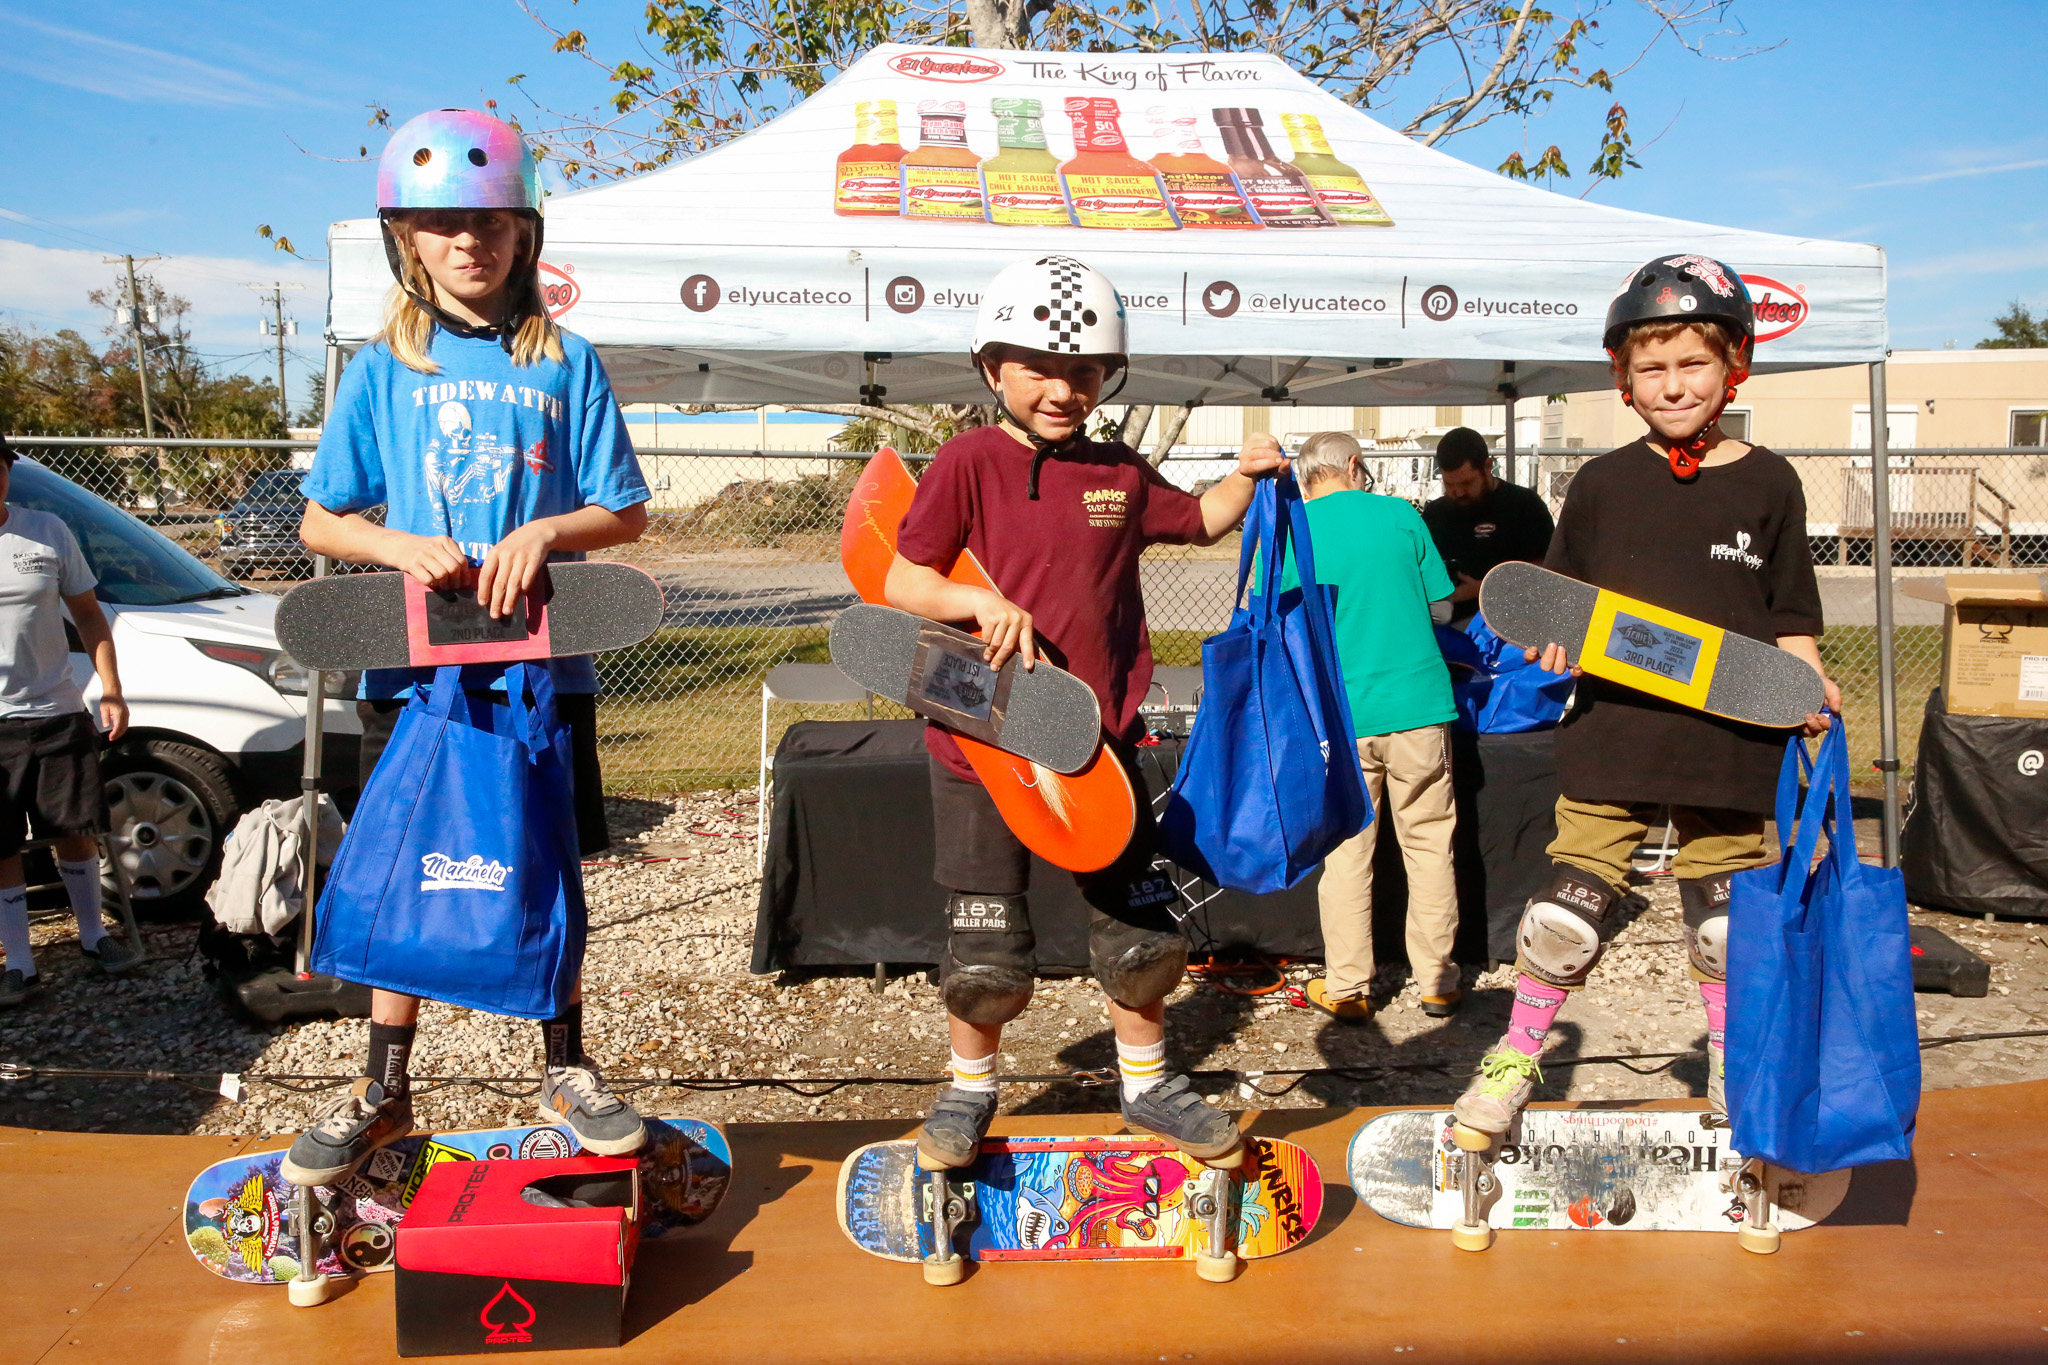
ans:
(951, 1136)
(114, 956)
(345, 1133)
(1175, 1112)
(604, 1124)
(16, 988)
(1507, 1076)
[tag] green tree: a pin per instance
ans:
(2017, 328)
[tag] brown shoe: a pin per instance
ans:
(1345, 1009)
(1443, 1006)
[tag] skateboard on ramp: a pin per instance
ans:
(1079, 821)
(392, 620)
(245, 1222)
(1079, 1199)
(1595, 1170)
(1643, 646)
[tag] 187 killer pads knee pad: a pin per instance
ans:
(1133, 948)
(1564, 927)
(1704, 903)
(985, 975)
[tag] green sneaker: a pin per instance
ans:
(1506, 1077)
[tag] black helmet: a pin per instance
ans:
(1682, 289)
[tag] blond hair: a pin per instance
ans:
(409, 328)
(1717, 336)
(1326, 455)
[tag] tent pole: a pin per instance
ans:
(316, 702)
(1881, 569)
(1507, 443)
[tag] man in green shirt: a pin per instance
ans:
(1391, 586)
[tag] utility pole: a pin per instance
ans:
(135, 330)
(276, 328)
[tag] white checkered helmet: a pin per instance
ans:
(1054, 304)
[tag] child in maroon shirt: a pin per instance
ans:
(1059, 521)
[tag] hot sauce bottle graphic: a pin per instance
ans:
(942, 178)
(1279, 193)
(1020, 184)
(869, 176)
(1342, 190)
(1106, 186)
(1202, 190)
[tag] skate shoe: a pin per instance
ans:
(1345, 1009)
(114, 956)
(1175, 1112)
(952, 1135)
(604, 1124)
(345, 1133)
(16, 988)
(1506, 1076)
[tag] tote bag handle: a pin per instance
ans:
(1813, 815)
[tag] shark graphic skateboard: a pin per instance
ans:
(245, 1222)
(392, 620)
(1079, 1199)
(1079, 821)
(1596, 1170)
(1043, 713)
(1650, 649)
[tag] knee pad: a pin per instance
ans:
(1136, 966)
(1703, 901)
(985, 974)
(1564, 927)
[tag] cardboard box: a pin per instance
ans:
(483, 1268)
(1994, 641)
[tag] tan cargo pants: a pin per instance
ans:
(1408, 776)
(1599, 838)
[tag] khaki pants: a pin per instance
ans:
(1598, 839)
(1408, 776)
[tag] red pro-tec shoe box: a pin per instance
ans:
(482, 1267)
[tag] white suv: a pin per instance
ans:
(217, 710)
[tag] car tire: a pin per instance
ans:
(170, 807)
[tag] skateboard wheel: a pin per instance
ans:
(1471, 1236)
(1470, 1139)
(945, 1272)
(1218, 1269)
(307, 1291)
(1763, 1241)
(1229, 1161)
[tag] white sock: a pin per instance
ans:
(1140, 1067)
(82, 885)
(976, 1074)
(14, 930)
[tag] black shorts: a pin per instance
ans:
(578, 711)
(49, 777)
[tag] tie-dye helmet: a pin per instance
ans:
(458, 159)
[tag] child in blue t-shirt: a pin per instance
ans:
(491, 437)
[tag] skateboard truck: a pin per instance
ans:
(309, 1287)
(946, 1210)
(1476, 1185)
(1215, 1203)
(1757, 1232)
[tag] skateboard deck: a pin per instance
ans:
(1080, 1199)
(392, 620)
(241, 1215)
(1079, 821)
(1648, 648)
(1044, 713)
(1600, 1170)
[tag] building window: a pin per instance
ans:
(2030, 428)
(1735, 423)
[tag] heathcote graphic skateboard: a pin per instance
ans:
(1600, 1170)
(1044, 713)
(243, 1219)
(1079, 1199)
(1078, 821)
(1648, 648)
(392, 620)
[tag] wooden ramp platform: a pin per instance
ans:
(1941, 1259)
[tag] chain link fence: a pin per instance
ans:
(746, 546)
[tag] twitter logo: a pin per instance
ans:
(1221, 299)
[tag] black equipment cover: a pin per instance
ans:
(1976, 835)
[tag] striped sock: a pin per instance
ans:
(1140, 1067)
(82, 887)
(975, 1074)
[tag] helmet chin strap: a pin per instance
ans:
(491, 331)
(1042, 449)
(1687, 456)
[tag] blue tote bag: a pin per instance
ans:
(1269, 782)
(460, 878)
(1496, 690)
(1823, 1049)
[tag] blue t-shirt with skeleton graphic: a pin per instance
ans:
(473, 452)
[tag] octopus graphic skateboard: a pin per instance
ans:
(1595, 1170)
(1643, 646)
(1079, 1199)
(392, 620)
(245, 1222)
(1079, 821)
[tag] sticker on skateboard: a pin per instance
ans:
(242, 1215)
(392, 620)
(1043, 713)
(1079, 821)
(1643, 646)
(1079, 1199)
(1598, 1170)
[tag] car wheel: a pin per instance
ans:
(170, 807)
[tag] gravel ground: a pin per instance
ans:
(670, 996)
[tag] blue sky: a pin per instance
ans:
(171, 129)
